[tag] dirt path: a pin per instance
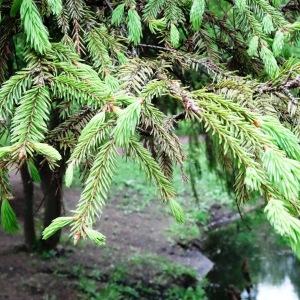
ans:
(26, 276)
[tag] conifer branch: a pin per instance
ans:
(95, 192)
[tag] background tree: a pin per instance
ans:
(96, 77)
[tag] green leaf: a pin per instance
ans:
(33, 171)
(50, 153)
(95, 236)
(176, 210)
(196, 13)
(269, 61)
(69, 175)
(118, 14)
(98, 50)
(134, 26)
(91, 137)
(97, 185)
(174, 36)
(112, 82)
(253, 46)
(281, 219)
(281, 172)
(253, 179)
(55, 6)
(31, 116)
(153, 8)
(12, 91)
(278, 43)
(282, 137)
(122, 58)
(56, 225)
(36, 33)
(4, 151)
(127, 122)
(8, 217)
(15, 7)
(267, 23)
(157, 25)
(82, 90)
(241, 5)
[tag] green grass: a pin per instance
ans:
(136, 192)
(131, 187)
(144, 276)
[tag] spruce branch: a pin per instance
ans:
(12, 91)
(95, 192)
(151, 168)
(30, 119)
(36, 33)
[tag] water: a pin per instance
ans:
(256, 260)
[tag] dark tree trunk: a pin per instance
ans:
(52, 187)
(28, 189)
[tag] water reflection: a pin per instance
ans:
(252, 265)
(285, 291)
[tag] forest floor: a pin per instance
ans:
(147, 254)
(131, 235)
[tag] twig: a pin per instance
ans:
(157, 47)
(109, 5)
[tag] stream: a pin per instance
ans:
(250, 260)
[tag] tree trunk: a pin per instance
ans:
(52, 187)
(28, 189)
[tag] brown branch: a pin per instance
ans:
(285, 89)
(289, 84)
(294, 83)
(292, 6)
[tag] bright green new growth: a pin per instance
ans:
(118, 14)
(278, 43)
(33, 171)
(56, 225)
(95, 236)
(269, 61)
(134, 26)
(12, 90)
(89, 140)
(282, 221)
(50, 153)
(253, 46)
(174, 36)
(196, 14)
(126, 123)
(8, 218)
(36, 32)
(55, 6)
(29, 122)
(281, 172)
(241, 5)
(177, 211)
(282, 137)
